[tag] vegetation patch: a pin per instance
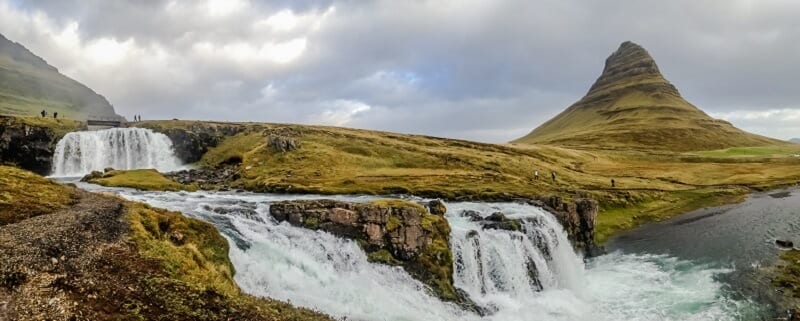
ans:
(24, 194)
(143, 179)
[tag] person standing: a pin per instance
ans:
(55, 115)
(553, 175)
(44, 113)
(536, 175)
(613, 183)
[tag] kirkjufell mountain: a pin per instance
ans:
(632, 106)
(28, 84)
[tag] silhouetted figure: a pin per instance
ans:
(613, 183)
(55, 115)
(44, 113)
(553, 175)
(536, 175)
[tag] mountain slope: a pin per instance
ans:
(795, 140)
(28, 84)
(631, 105)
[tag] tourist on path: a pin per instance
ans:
(553, 175)
(536, 175)
(44, 113)
(613, 183)
(55, 115)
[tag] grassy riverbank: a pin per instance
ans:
(98, 257)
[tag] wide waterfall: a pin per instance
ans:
(513, 276)
(79, 153)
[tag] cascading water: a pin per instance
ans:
(79, 153)
(528, 275)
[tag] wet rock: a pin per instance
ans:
(436, 207)
(108, 169)
(784, 243)
(497, 217)
(472, 215)
(578, 219)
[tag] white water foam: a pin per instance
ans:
(79, 153)
(320, 271)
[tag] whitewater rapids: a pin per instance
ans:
(318, 270)
(79, 153)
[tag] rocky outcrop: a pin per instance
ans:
(577, 218)
(219, 178)
(28, 146)
(282, 144)
(192, 141)
(391, 232)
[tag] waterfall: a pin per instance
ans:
(79, 153)
(531, 274)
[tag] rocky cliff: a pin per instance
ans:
(192, 141)
(391, 232)
(29, 143)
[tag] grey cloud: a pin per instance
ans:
(482, 70)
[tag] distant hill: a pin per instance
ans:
(795, 140)
(632, 106)
(29, 84)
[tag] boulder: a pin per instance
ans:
(784, 243)
(436, 207)
(282, 144)
(578, 219)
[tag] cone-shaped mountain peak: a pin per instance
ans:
(629, 62)
(632, 106)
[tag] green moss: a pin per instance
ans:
(392, 223)
(788, 273)
(311, 223)
(143, 179)
(397, 203)
(190, 250)
(434, 266)
(24, 194)
(383, 256)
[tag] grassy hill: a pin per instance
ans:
(632, 106)
(650, 185)
(28, 84)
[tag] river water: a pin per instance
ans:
(641, 279)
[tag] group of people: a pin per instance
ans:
(536, 175)
(44, 114)
(553, 176)
(137, 118)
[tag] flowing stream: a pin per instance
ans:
(529, 275)
(79, 153)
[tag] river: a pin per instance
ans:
(644, 277)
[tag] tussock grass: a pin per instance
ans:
(24, 194)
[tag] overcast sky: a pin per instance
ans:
(482, 70)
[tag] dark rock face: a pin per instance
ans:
(191, 143)
(27, 147)
(394, 234)
(396, 229)
(577, 218)
(436, 207)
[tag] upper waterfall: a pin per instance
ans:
(79, 153)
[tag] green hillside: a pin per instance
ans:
(632, 106)
(28, 84)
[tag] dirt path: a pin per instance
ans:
(41, 257)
